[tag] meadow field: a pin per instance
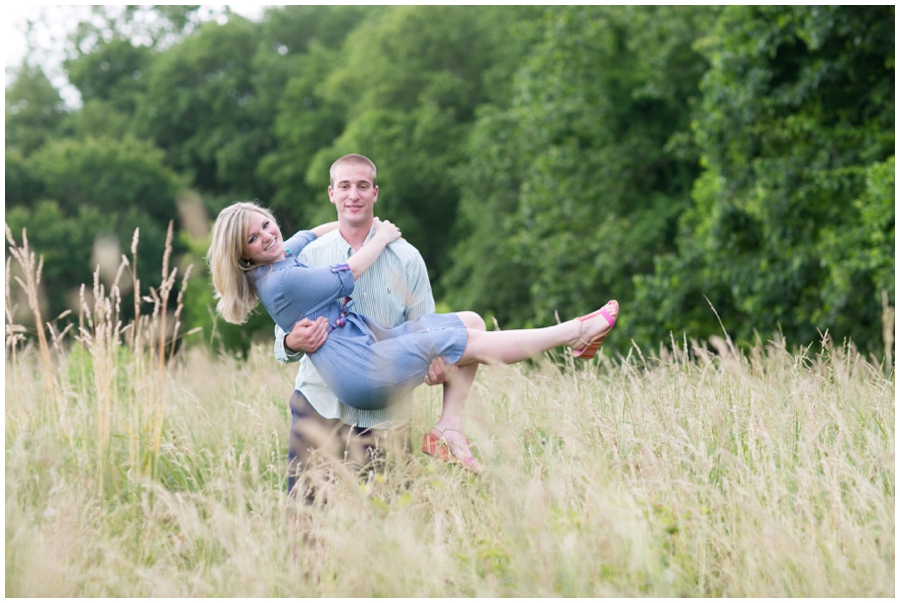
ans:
(137, 470)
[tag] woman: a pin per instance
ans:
(363, 362)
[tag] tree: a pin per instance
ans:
(113, 73)
(150, 26)
(34, 110)
(305, 47)
(577, 181)
(85, 201)
(201, 109)
(22, 186)
(797, 130)
(409, 85)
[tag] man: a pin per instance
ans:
(395, 289)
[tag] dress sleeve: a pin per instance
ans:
(296, 243)
(309, 290)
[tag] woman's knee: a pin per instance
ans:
(472, 320)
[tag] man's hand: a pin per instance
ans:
(439, 372)
(306, 336)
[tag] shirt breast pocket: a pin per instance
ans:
(397, 301)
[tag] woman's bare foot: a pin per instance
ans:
(449, 444)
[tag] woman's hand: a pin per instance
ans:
(387, 231)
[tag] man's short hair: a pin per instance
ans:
(353, 158)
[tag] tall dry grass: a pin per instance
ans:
(693, 473)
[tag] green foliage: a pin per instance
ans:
(88, 197)
(297, 27)
(304, 124)
(543, 158)
(148, 26)
(114, 73)
(200, 108)
(410, 83)
(66, 243)
(111, 175)
(21, 185)
(574, 185)
(797, 114)
(98, 119)
(34, 110)
(859, 254)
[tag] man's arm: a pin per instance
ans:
(421, 298)
(282, 354)
(421, 301)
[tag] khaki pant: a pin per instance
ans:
(318, 447)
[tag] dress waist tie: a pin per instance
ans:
(341, 320)
(346, 303)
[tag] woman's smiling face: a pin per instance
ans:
(264, 243)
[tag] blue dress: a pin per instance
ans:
(366, 364)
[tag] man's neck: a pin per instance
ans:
(355, 235)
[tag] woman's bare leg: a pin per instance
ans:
(502, 347)
(509, 347)
(456, 392)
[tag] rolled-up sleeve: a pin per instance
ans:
(281, 353)
(311, 289)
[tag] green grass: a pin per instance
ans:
(761, 474)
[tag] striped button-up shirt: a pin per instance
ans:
(394, 290)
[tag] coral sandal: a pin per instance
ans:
(590, 348)
(436, 445)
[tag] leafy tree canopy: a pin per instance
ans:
(796, 120)
(543, 158)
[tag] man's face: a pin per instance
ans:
(353, 194)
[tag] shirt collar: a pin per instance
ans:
(348, 250)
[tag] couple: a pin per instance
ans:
(372, 349)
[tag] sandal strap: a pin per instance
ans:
(440, 432)
(439, 435)
(581, 340)
(606, 316)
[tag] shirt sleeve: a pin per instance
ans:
(281, 353)
(421, 298)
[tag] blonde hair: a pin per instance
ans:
(227, 264)
(357, 159)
